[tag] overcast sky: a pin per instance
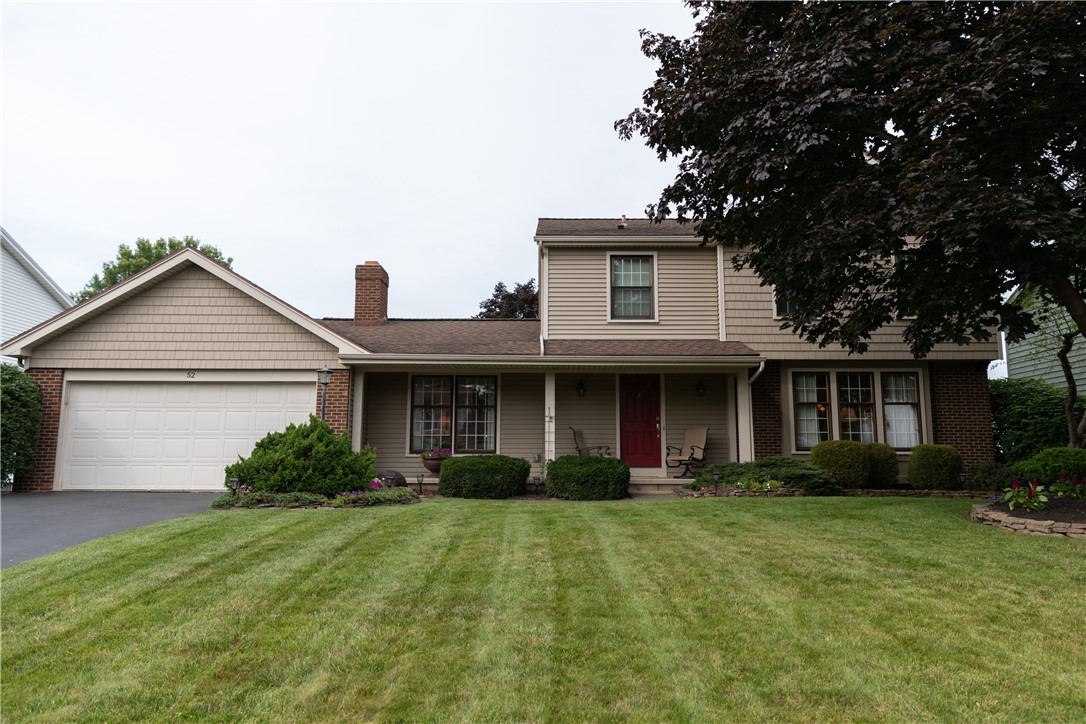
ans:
(303, 139)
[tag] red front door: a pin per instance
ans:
(639, 416)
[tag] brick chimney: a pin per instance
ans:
(370, 294)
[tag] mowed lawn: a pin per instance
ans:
(695, 610)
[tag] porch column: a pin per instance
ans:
(548, 417)
(745, 432)
(358, 387)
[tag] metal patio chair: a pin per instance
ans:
(692, 453)
(603, 451)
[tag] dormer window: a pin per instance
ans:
(632, 289)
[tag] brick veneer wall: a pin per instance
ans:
(370, 293)
(961, 410)
(51, 384)
(338, 407)
(765, 397)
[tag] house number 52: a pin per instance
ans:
(190, 375)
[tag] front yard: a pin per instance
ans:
(710, 609)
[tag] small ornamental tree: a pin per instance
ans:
(20, 403)
(145, 253)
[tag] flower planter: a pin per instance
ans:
(434, 466)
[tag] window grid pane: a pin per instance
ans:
(901, 407)
(631, 287)
(476, 414)
(812, 397)
(855, 393)
(431, 413)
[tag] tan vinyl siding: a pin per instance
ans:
(750, 310)
(385, 423)
(520, 417)
(386, 418)
(686, 296)
(684, 408)
(595, 413)
(1035, 356)
(191, 319)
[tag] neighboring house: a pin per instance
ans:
(27, 294)
(159, 382)
(1035, 356)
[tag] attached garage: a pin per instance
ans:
(160, 382)
(169, 436)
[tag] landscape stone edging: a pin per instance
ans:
(850, 492)
(984, 514)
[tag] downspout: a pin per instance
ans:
(761, 369)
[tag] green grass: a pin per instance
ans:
(695, 610)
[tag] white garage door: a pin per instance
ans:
(169, 436)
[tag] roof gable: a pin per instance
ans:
(186, 258)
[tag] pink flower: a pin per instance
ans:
(1014, 484)
(375, 484)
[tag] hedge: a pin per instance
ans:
(1046, 466)
(20, 419)
(848, 457)
(791, 473)
(1028, 417)
(576, 477)
(483, 476)
(307, 458)
(935, 467)
(882, 465)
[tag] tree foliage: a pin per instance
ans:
(1027, 417)
(145, 253)
(521, 303)
(20, 402)
(821, 139)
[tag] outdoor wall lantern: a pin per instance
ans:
(324, 376)
(580, 388)
(234, 483)
(700, 388)
(420, 478)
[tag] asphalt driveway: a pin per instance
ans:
(36, 524)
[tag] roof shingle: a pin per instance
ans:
(609, 227)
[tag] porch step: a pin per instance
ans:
(655, 486)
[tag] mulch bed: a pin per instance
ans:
(1061, 510)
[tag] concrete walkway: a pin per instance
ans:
(36, 524)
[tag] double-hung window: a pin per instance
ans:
(849, 406)
(631, 287)
(456, 413)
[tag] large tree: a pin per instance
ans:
(882, 161)
(145, 253)
(521, 303)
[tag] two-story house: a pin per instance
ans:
(27, 294)
(644, 332)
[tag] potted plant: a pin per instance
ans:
(432, 459)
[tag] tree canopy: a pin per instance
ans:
(911, 161)
(145, 253)
(521, 303)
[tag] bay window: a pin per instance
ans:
(849, 405)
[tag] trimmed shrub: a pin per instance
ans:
(307, 458)
(483, 476)
(1028, 417)
(791, 473)
(992, 476)
(1046, 466)
(382, 496)
(935, 467)
(20, 401)
(847, 456)
(882, 465)
(576, 477)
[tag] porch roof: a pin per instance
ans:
(516, 338)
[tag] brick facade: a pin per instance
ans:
(765, 397)
(51, 384)
(370, 293)
(338, 405)
(962, 410)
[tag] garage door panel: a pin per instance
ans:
(209, 421)
(170, 436)
(115, 448)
